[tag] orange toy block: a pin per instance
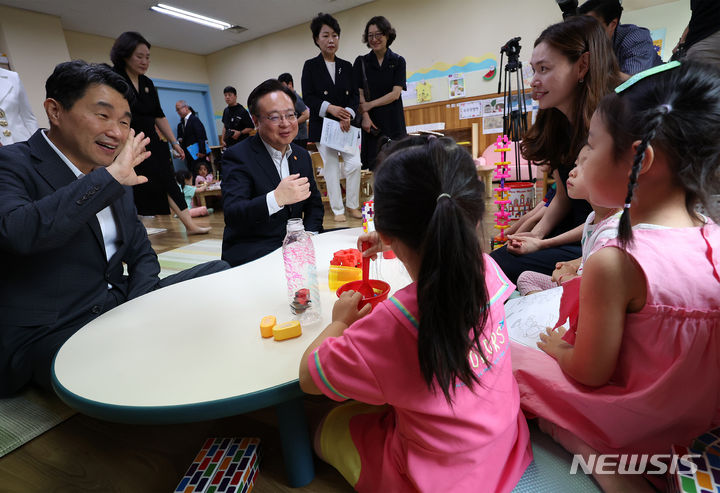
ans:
(288, 330)
(267, 324)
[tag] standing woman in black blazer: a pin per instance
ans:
(380, 75)
(329, 90)
(130, 55)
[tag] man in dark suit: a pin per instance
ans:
(268, 180)
(68, 223)
(190, 131)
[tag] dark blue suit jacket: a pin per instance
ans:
(249, 174)
(317, 86)
(55, 273)
(194, 132)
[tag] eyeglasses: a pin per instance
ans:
(276, 119)
(375, 35)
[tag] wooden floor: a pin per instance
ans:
(85, 454)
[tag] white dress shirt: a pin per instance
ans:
(325, 104)
(105, 216)
(280, 160)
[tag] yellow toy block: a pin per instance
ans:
(288, 330)
(267, 324)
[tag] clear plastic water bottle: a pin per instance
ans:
(301, 273)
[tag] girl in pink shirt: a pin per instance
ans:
(434, 404)
(638, 369)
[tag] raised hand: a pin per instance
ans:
(133, 153)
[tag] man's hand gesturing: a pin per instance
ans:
(292, 190)
(132, 154)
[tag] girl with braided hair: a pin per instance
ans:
(435, 404)
(637, 371)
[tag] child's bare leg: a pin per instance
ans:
(610, 483)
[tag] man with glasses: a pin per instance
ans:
(267, 180)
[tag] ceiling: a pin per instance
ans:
(110, 18)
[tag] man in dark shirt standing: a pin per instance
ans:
(701, 39)
(237, 123)
(302, 111)
(632, 44)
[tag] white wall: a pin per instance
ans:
(429, 31)
(673, 16)
(34, 43)
(164, 63)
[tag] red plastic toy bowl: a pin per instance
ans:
(381, 288)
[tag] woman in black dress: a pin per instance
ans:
(380, 77)
(574, 68)
(131, 58)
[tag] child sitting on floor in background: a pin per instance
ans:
(184, 180)
(600, 226)
(203, 176)
(436, 407)
(637, 370)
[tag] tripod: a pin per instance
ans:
(514, 120)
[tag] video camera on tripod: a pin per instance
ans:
(511, 48)
(514, 120)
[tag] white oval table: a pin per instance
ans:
(162, 358)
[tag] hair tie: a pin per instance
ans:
(665, 108)
(443, 195)
(627, 206)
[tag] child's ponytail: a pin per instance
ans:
(675, 108)
(429, 197)
(654, 122)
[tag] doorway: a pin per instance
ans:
(198, 97)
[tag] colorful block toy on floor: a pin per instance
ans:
(223, 465)
(707, 477)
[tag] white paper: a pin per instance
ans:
(470, 109)
(528, 316)
(333, 137)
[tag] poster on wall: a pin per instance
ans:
(658, 39)
(411, 92)
(424, 92)
(470, 109)
(492, 107)
(529, 102)
(493, 124)
(456, 86)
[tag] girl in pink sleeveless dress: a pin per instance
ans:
(639, 367)
(435, 406)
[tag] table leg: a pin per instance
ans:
(296, 446)
(202, 200)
